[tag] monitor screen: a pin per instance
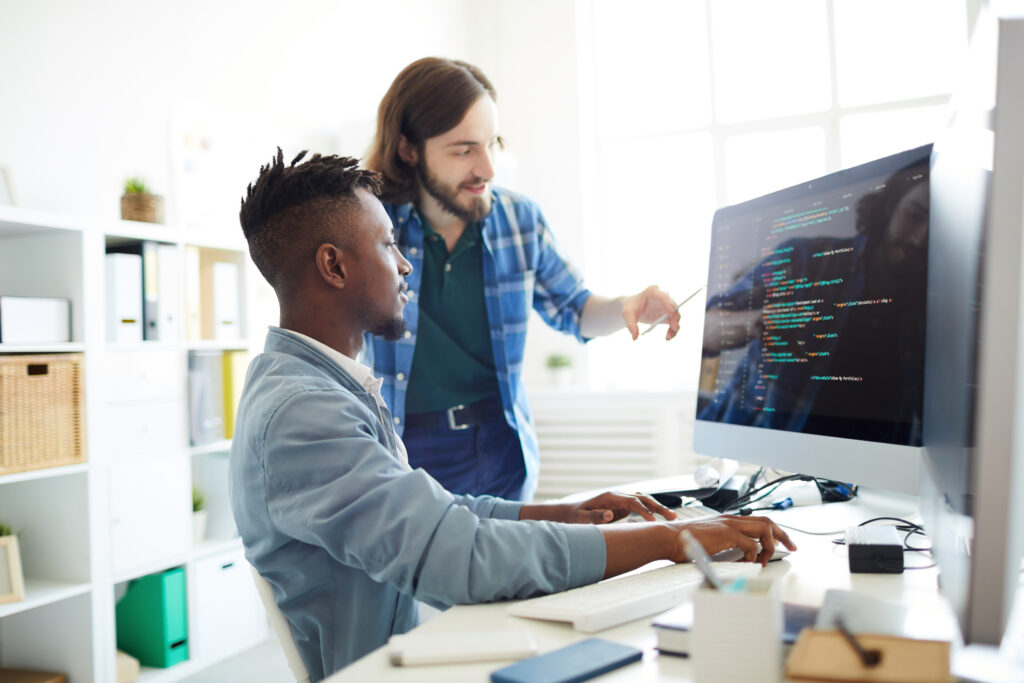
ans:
(815, 317)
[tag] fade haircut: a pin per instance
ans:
(291, 210)
(428, 98)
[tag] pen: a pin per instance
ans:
(695, 551)
(869, 658)
(665, 317)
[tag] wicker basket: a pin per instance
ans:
(41, 417)
(148, 208)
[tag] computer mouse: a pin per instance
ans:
(736, 555)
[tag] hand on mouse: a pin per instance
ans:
(754, 536)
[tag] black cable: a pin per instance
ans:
(829, 490)
(748, 498)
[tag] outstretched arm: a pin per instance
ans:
(602, 315)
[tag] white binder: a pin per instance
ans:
(226, 318)
(169, 291)
(124, 298)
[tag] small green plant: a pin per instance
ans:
(198, 499)
(6, 529)
(559, 360)
(136, 185)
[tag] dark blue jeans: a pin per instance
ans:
(482, 459)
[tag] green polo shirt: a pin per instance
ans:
(453, 362)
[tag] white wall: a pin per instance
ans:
(90, 90)
(94, 92)
(534, 64)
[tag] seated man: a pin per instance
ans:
(328, 508)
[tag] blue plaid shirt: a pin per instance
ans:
(523, 267)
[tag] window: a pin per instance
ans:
(700, 104)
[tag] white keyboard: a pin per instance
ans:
(682, 514)
(620, 599)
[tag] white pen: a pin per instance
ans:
(665, 317)
(695, 551)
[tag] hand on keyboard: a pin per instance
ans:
(612, 506)
(686, 512)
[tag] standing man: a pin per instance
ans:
(482, 257)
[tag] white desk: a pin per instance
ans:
(817, 566)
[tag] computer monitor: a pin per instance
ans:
(814, 331)
(971, 496)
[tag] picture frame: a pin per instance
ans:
(6, 187)
(12, 581)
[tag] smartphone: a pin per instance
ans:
(577, 662)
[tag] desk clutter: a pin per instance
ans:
(672, 628)
(851, 637)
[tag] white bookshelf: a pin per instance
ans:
(89, 529)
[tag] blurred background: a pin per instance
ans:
(629, 123)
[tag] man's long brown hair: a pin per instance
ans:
(429, 97)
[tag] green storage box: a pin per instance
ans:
(152, 619)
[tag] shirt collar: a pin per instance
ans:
(359, 372)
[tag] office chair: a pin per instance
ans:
(281, 628)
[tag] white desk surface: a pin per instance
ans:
(817, 566)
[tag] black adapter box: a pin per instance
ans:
(874, 550)
(724, 498)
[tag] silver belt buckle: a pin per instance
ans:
(451, 418)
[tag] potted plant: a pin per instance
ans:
(198, 515)
(560, 366)
(139, 204)
(12, 581)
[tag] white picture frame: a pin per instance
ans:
(6, 187)
(12, 581)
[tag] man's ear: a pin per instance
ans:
(407, 151)
(330, 263)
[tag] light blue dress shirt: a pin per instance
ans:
(348, 537)
(524, 268)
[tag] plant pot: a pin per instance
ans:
(148, 208)
(198, 526)
(561, 377)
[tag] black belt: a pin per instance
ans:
(458, 417)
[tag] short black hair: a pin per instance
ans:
(290, 210)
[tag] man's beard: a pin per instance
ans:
(447, 198)
(389, 330)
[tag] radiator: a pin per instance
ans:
(594, 440)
